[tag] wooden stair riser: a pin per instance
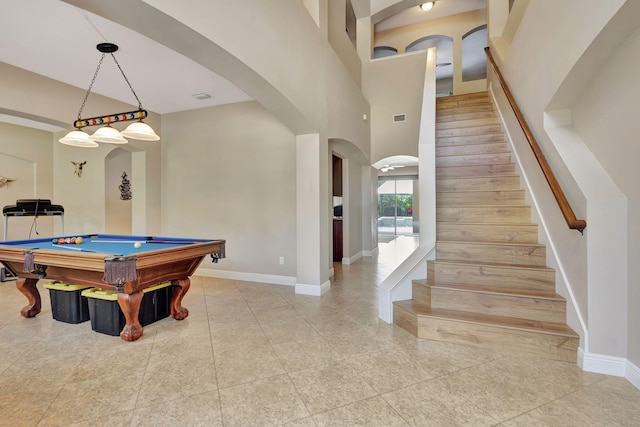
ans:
(496, 276)
(497, 338)
(501, 169)
(438, 328)
(467, 131)
(469, 123)
(444, 113)
(484, 183)
(474, 198)
(515, 233)
(492, 214)
(523, 307)
(474, 159)
(460, 117)
(469, 149)
(442, 141)
(462, 101)
(506, 253)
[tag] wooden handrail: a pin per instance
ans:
(569, 216)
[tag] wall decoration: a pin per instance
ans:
(125, 188)
(79, 166)
(4, 181)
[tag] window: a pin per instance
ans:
(395, 206)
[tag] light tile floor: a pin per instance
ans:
(252, 354)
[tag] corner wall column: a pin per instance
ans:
(313, 214)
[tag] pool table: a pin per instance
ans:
(127, 264)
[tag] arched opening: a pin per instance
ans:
(474, 61)
(384, 51)
(118, 192)
(444, 59)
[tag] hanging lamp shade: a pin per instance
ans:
(108, 135)
(78, 138)
(427, 6)
(140, 130)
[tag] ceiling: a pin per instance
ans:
(57, 40)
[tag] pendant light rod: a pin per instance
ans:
(112, 118)
(106, 48)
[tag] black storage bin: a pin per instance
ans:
(104, 311)
(67, 303)
(156, 303)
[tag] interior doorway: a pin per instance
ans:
(395, 207)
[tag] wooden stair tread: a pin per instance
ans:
(494, 206)
(469, 177)
(515, 224)
(511, 190)
(458, 242)
(494, 264)
(473, 154)
(548, 328)
(494, 290)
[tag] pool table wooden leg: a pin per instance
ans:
(130, 305)
(27, 287)
(180, 288)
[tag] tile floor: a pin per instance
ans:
(253, 354)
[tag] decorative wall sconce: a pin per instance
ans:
(107, 134)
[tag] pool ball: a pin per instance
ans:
(73, 241)
(78, 240)
(61, 241)
(54, 241)
(137, 245)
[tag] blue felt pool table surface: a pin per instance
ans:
(107, 244)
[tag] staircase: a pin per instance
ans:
(489, 285)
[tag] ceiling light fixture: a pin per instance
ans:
(108, 134)
(427, 6)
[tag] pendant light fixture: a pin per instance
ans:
(427, 6)
(107, 134)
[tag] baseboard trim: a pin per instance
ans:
(247, 277)
(313, 290)
(372, 252)
(351, 260)
(609, 365)
(633, 374)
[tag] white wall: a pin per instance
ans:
(229, 173)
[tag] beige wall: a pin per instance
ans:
(340, 42)
(606, 119)
(118, 212)
(25, 158)
(229, 173)
(574, 91)
(455, 26)
(29, 95)
(394, 86)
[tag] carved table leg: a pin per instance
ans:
(28, 288)
(180, 288)
(130, 305)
